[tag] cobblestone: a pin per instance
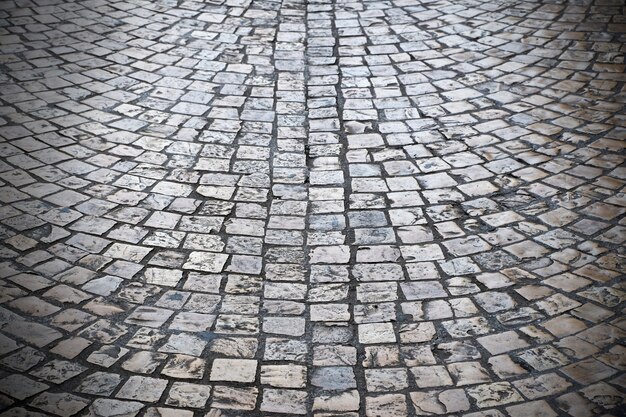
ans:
(327, 208)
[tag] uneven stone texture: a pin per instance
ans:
(327, 208)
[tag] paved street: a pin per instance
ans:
(236, 208)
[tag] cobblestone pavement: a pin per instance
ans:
(330, 208)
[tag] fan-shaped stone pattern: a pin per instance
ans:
(250, 207)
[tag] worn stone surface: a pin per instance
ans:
(328, 208)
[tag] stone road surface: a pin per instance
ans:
(328, 208)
